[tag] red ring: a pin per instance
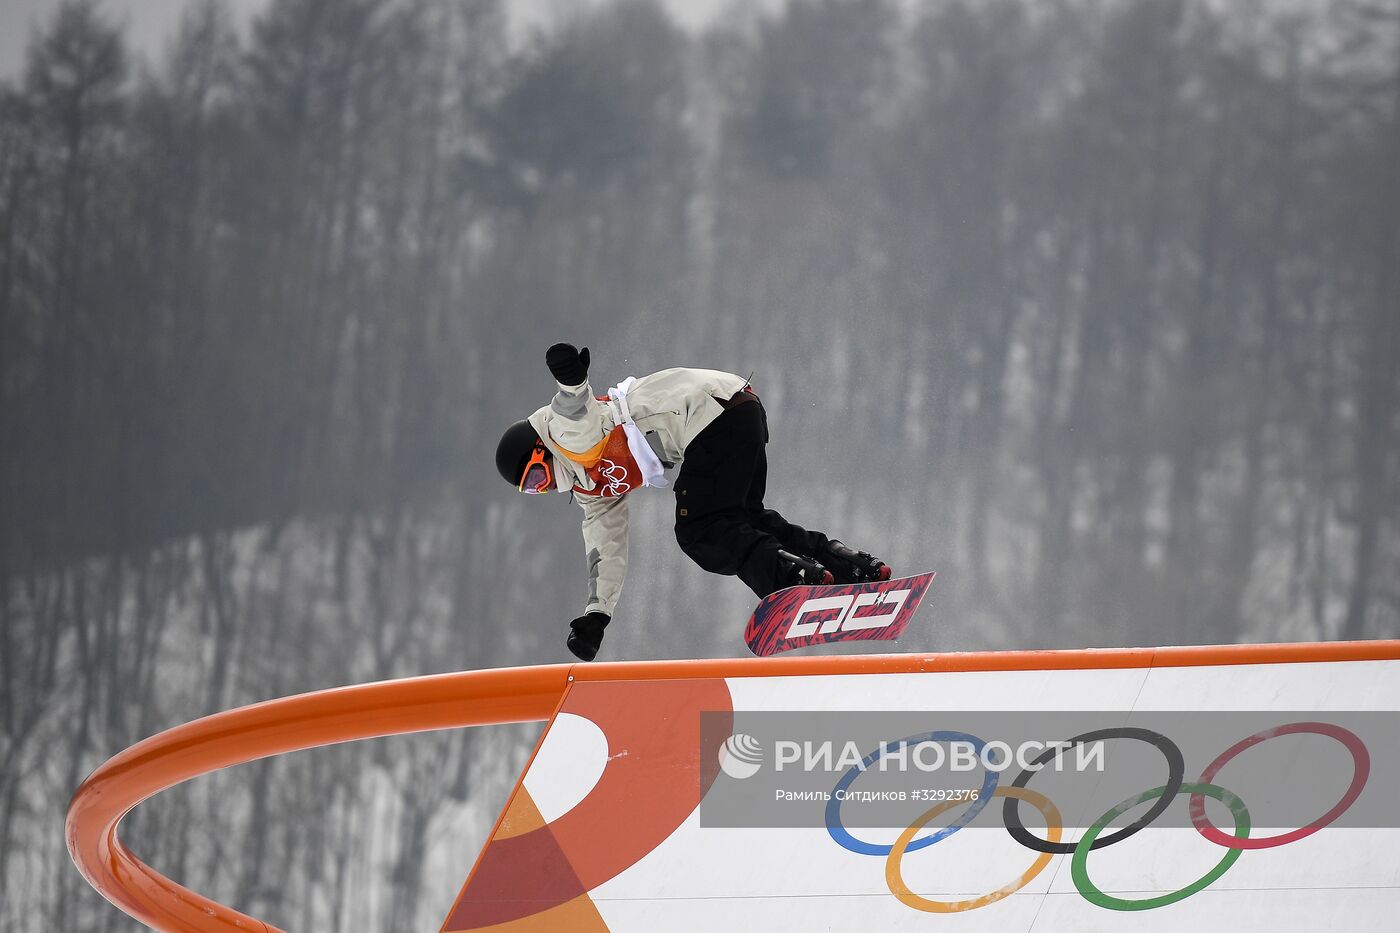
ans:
(1361, 760)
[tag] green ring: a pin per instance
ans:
(1079, 865)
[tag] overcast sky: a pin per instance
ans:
(151, 22)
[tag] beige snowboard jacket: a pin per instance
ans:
(670, 407)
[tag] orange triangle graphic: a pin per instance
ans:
(577, 915)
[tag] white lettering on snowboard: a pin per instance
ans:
(883, 608)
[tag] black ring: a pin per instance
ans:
(1011, 815)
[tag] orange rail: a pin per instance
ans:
(488, 697)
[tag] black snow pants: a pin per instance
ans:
(721, 523)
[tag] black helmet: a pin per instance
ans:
(513, 451)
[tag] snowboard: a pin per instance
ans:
(819, 615)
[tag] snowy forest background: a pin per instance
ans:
(1092, 306)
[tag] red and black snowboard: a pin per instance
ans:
(818, 615)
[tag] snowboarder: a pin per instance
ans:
(710, 423)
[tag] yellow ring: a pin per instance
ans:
(895, 879)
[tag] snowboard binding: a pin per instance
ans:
(804, 571)
(851, 566)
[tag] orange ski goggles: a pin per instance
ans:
(538, 475)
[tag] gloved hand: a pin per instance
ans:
(568, 366)
(586, 635)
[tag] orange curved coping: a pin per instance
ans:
(487, 697)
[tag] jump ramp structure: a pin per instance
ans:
(606, 828)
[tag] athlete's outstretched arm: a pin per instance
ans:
(605, 542)
(579, 427)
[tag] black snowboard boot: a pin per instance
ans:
(851, 566)
(586, 636)
(803, 571)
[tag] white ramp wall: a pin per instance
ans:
(604, 830)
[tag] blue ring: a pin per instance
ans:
(837, 829)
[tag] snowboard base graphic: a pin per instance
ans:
(817, 615)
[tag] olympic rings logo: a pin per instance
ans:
(1093, 838)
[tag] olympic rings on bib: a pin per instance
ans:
(843, 838)
(1175, 768)
(1361, 769)
(895, 879)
